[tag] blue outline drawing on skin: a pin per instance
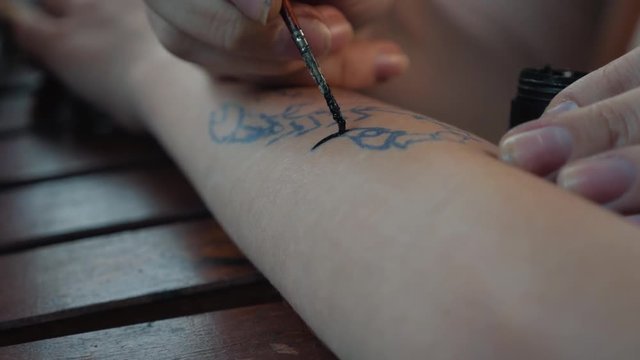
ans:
(235, 124)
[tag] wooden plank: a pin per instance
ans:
(28, 157)
(90, 205)
(124, 278)
(263, 332)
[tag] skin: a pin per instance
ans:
(503, 39)
(74, 55)
(246, 39)
(596, 154)
(523, 35)
(458, 49)
(436, 250)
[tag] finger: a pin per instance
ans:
(360, 65)
(611, 179)
(613, 79)
(543, 146)
(216, 62)
(258, 10)
(340, 33)
(34, 30)
(360, 11)
(221, 26)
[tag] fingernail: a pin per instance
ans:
(540, 151)
(317, 33)
(563, 107)
(603, 180)
(390, 62)
(341, 30)
(257, 10)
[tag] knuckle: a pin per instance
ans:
(234, 34)
(618, 76)
(224, 31)
(629, 70)
(568, 94)
(231, 39)
(620, 123)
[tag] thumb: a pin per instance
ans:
(33, 29)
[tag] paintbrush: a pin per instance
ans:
(310, 61)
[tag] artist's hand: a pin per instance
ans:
(590, 137)
(92, 45)
(247, 39)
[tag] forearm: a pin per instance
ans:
(424, 246)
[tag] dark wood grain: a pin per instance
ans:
(263, 332)
(72, 208)
(107, 252)
(29, 157)
(124, 278)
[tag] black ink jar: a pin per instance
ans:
(536, 89)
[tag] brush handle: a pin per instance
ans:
(291, 21)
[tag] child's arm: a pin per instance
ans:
(404, 238)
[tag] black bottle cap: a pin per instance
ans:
(536, 89)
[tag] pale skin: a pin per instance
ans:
(245, 39)
(436, 250)
(457, 60)
(465, 58)
(589, 138)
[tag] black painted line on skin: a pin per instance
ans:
(329, 138)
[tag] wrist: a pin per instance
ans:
(146, 77)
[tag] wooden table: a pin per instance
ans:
(107, 252)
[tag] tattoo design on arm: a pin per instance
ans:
(236, 124)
